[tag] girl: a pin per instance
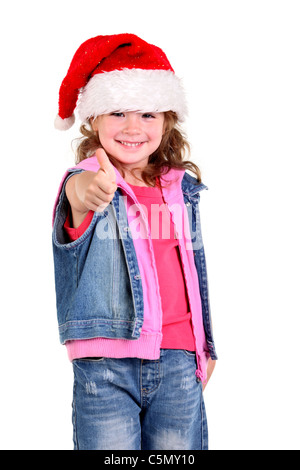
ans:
(130, 271)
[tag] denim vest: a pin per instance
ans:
(98, 284)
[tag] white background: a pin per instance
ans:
(240, 65)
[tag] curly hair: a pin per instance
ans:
(172, 152)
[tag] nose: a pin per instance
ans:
(132, 124)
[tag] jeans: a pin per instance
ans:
(138, 404)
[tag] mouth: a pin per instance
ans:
(131, 144)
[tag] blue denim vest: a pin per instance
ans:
(98, 284)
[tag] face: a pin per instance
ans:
(130, 137)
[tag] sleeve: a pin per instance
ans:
(75, 233)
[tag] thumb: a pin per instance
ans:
(105, 164)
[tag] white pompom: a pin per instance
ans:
(64, 124)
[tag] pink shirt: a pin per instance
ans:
(176, 326)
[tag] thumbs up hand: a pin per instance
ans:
(101, 186)
(91, 191)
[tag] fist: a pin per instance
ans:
(102, 186)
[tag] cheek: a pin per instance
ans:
(155, 131)
(160, 130)
(106, 136)
(157, 135)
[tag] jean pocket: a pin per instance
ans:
(190, 354)
(90, 359)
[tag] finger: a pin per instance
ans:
(98, 199)
(105, 164)
(105, 184)
(98, 207)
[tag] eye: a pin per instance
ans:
(148, 116)
(117, 114)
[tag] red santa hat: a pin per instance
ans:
(118, 73)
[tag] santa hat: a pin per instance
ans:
(118, 73)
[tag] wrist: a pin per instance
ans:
(75, 190)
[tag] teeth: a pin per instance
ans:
(131, 144)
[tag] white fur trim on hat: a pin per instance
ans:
(132, 90)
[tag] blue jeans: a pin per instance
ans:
(138, 404)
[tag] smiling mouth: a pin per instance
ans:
(131, 144)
